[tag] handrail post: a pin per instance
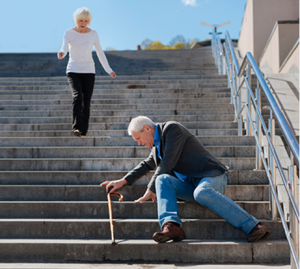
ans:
(221, 56)
(226, 63)
(240, 120)
(272, 168)
(294, 223)
(248, 131)
(231, 79)
(258, 128)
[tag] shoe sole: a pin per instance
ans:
(164, 239)
(76, 134)
(260, 237)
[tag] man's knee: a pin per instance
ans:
(162, 179)
(204, 195)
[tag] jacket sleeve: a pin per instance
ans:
(141, 169)
(173, 139)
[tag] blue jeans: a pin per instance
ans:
(207, 192)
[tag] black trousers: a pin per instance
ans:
(82, 86)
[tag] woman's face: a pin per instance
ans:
(82, 23)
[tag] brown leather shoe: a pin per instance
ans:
(169, 232)
(259, 232)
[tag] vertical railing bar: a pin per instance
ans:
(233, 72)
(284, 224)
(274, 154)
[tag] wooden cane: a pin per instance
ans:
(110, 214)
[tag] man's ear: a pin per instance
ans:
(146, 128)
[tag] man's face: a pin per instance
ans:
(145, 137)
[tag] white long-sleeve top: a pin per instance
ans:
(80, 46)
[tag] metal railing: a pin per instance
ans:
(248, 79)
(217, 53)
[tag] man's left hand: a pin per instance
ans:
(148, 195)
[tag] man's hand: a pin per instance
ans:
(148, 195)
(116, 184)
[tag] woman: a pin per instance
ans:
(79, 41)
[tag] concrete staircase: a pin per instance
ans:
(52, 208)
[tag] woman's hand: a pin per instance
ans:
(60, 55)
(116, 184)
(113, 74)
(148, 195)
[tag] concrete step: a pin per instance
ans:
(110, 152)
(130, 96)
(113, 119)
(115, 107)
(129, 89)
(98, 113)
(142, 71)
(238, 177)
(114, 141)
(124, 229)
(96, 193)
(104, 164)
(127, 210)
(119, 84)
(118, 133)
(128, 250)
(119, 126)
(62, 80)
(225, 100)
(59, 80)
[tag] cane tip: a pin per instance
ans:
(113, 243)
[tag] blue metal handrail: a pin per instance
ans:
(244, 73)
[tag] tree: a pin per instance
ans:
(145, 43)
(177, 42)
(179, 46)
(177, 39)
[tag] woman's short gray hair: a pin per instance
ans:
(82, 13)
(137, 124)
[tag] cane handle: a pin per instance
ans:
(117, 195)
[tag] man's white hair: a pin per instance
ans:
(137, 124)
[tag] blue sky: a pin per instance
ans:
(38, 25)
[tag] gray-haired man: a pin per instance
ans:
(184, 169)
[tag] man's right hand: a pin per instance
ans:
(115, 184)
(148, 195)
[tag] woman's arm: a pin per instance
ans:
(64, 47)
(102, 58)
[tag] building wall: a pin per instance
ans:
(259, 20)
(292, 63)
(288, 35)
(279, 45)
(246, 38)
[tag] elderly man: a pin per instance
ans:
(184, 169)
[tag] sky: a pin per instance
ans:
(39, 25)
